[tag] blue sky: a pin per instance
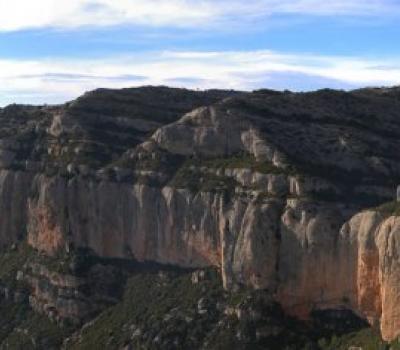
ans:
(53, 51)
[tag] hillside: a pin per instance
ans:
(165, 218)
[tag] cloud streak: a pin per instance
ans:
(19, 15)
(49, 81)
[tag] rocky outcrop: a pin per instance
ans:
(269, 188)
(267, 243)
(64, 296)
(14, 192)
(180, 227)
(210, 132)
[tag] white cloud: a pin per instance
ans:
(51, 81)
(339, 7)
(27, 14)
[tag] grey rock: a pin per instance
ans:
(6, 158)
(198, 276)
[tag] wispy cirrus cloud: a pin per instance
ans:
(49, 81)
(26, 14)
(73, 77)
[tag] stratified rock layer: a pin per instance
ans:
(297, 249)
(271, 188)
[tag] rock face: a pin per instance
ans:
(182, 230)
(271, 188)
(14, 191)
(63, 296)
(272, 244)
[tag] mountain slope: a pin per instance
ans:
(277, 191)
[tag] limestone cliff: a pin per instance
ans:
(305, 253)
(269, 187)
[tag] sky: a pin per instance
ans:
(52, 51)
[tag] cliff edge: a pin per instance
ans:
(280, 191)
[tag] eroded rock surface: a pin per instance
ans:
(271, 188)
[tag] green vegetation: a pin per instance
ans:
(20, 327)
(23, 329)
(348, 196)
(389, 209)
(367, 339)
(193, 176)
(238, 161)
(11, 261)
(154, 304)
(197, 181)
(159, 161)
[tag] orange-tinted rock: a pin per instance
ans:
(45, 233)
(310, 254)
(304, 252)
